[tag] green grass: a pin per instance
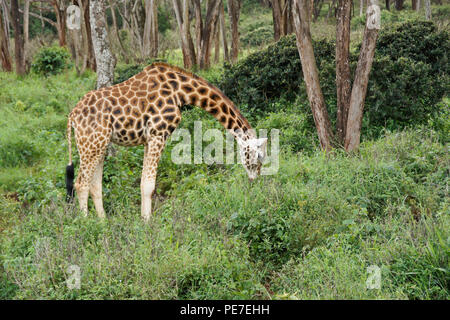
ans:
(310, 231)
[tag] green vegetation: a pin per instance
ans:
(51, 60)
(411, 61)
(308, 232)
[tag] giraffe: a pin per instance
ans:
(145, 110)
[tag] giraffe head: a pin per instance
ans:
(252, 152)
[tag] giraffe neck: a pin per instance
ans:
(189, 89)
(222, 109)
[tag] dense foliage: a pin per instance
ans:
(51, 60)
(410, 75)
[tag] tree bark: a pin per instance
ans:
(103, 56)
(151, 29)
(60, 13)
(198, 27)
(26, 29)
(359, 90)
(310, 73)
(276, 13)
(116, 32)
(18, 39)
(234, 8)
(427, 9)
(388, 5)
(4, 46)
(217, 41)
(183, 22)
(89, 55)
(223, 33)
(343, 75)
(399, 4)
(282, 17)
(212, 13)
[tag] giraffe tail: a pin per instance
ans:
(69, 169)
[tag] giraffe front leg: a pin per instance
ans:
(152, 154)
(96, 189)
(147, 188)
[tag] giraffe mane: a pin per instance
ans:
(196, 77)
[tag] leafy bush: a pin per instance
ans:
(419, 41)
(51, 60)
(258, 37)
(408, 79)
(296, 132)
(269, 74)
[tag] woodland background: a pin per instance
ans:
(308, 232)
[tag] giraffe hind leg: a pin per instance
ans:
(89, 161)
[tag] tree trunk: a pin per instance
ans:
(414, 4)
(359, 90)
(399, 4)
(60, 13)
(212, 13)
(18, 39)
(151, 29)
(137, 25)
(103, 56)
(116, 32)
(310, 73)
(343, 75)
(26, 33)
(198, 28)
(282, 17)
(4, 45)
(183, 22)
(388, 5)
(276, 13)
(428, 9)
(234, 7)
(223, 32)
(89, 55)
(217, 41)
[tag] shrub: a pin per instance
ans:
(51, 60)
(258, 37)
(417, 40)
(296, 132)
(269, 74)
